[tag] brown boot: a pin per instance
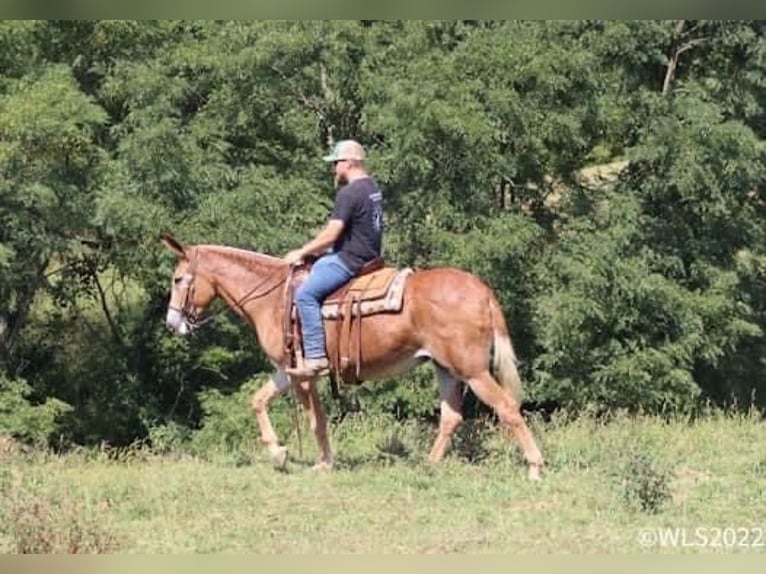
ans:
(310, 368)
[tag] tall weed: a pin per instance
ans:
(43, 523)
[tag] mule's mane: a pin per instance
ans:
(250, 260)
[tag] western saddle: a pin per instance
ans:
(374, 289)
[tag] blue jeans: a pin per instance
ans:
(327, 274)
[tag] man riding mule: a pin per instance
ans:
(354, 232)
(445, 315)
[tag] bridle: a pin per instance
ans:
(188, 310)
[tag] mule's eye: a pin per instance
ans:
(177, 280)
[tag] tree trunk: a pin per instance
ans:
(670, 71)
(679, 48)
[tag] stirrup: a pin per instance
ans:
(310, 368)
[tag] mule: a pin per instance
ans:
(448, 316)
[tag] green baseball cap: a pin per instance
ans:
(346, 149)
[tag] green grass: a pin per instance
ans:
(604, 483)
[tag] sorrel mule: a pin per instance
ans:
(448, 316)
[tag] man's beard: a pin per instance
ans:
(340, 179)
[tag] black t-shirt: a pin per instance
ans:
(359, 205)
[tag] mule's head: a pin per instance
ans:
(191, 293)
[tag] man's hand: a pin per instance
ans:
(294, 256)
(321, 242)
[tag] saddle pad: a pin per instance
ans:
(381, 291)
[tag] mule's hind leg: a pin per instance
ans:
(277, 383)
(494, 396)
(451, 399)
(309, 397)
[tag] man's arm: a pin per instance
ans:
(327, 237)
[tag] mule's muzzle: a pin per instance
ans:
(177, 323)
(183, 324)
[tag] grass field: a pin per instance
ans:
(609, 487)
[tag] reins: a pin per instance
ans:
(249, 296)
(189, 311)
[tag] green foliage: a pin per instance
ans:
(379, 439)
(21, 418)
(699, 178)
(414, 395)
(19, 50)
(228, 425)
(167, 438)
(614, 331)
(647, 487)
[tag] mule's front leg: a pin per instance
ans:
(278, 383)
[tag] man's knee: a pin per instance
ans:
(305, 297)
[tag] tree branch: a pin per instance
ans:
(678, 49)
(670, 71)
(301, 96)
(105, 308)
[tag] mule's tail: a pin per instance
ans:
(503, 356)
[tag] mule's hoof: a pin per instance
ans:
(533, 472)
(278, 456)
(322, 466)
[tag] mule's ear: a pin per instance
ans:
(173, 244)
